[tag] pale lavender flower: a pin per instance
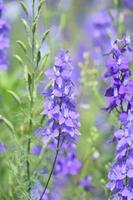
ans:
(2, 148)
(36, 150)
(59, 184)
(99, 28)
(86, 183)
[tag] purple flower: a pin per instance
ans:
(118, 73)
(60, 105)
(86, 183)
(127, 3)
(4, 39)
(2, 148)
(62, 124)
(120, 97)
(36, 150)
(100, 30)
(58, 187)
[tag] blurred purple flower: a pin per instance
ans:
(2, 148)
(58, 187)
(100, 30)
(127, 3)
(86, 183)
(36, 150)
(36, 192)
(4, 39)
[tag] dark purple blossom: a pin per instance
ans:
(4, 39)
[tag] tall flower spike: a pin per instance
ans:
(4, 39)
(120, 97)
(60, 106)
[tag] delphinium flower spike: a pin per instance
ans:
(120, 98)
(4, 39)
(60, 107)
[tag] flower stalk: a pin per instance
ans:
(31, 87)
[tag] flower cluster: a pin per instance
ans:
(118, 72)
(60, 106)
(120, 98)
(4, 39)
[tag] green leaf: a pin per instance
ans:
(26, 72)
(19, 59)
(45, 34)
(44, 60)
(62, 21)
(26, 26)
(22, 45)
(40, 5)
(15, 96)
(29, 43)
(8, 123)
(24, 7)
(38, 57)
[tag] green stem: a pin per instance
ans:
(33, 33)
(31, 94)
